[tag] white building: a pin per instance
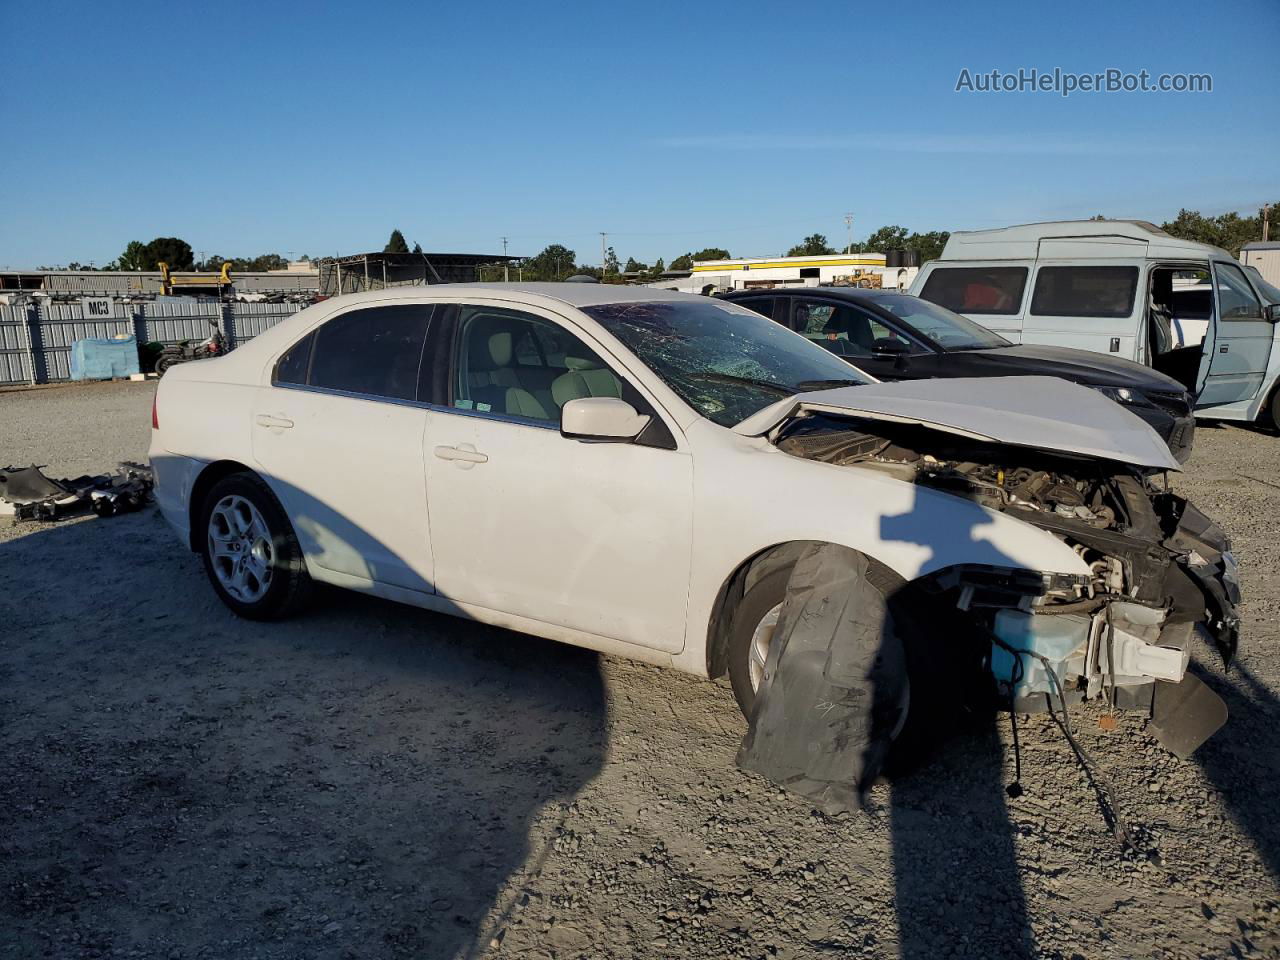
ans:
(858, 269)
(1265, 255)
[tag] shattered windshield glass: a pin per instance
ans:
(724, 361)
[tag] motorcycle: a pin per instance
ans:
(213, 346)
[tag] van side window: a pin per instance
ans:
(1084, 291)
(996, 290)
(1235, 297)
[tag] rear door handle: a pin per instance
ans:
(464, 453)
(275, 423)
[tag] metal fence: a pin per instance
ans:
(36, 337)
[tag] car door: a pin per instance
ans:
(587, 535)
(338, 437)
(1238, 344)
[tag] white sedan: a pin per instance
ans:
(638, 472)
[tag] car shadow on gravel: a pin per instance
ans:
(1242, 761)
(957, 883)
(363, 780)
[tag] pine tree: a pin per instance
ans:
(396, 244)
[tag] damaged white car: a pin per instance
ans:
(680, 480)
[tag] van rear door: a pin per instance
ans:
(1238, 344)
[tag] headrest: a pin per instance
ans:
(500, 348)
(581, 363)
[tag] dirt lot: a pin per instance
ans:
(374, 781)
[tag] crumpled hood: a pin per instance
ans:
(1042, 413)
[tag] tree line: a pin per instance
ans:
(1230, 231)
(177, 253)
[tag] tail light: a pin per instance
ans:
(155, 415)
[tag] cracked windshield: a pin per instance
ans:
(724, 362)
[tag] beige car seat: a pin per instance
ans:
(494, 381)
(587, 377)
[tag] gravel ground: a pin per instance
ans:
(370, 780)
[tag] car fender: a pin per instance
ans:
(749, 496)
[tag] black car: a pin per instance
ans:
(895, 336)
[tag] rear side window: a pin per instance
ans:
(761, 305)
(1084, 291)
(995, 290)
(292, 367)
(375, 351)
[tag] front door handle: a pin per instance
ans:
(274, 422)
(464, 453)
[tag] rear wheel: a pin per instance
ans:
(251, 554)
(167, 360)
(1273, 409)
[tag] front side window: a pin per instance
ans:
(996, 290)
(1235, 297)
(843, 329)
(1084, 292)
(948, 330)
(373, 351)
(514, 364)
(1269, 291)
(726, 362)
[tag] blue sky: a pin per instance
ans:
(316, 128)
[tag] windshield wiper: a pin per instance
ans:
(780, 388)
(806, 385)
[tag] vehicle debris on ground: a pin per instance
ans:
(27, 494)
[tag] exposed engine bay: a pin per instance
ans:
(1160, 571)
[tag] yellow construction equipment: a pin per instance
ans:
(219, 280)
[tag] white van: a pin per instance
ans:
(1122, 287)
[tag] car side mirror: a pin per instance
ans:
(1272, 312)
(888, 347)
(601, 418)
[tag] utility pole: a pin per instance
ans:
(848, 229)
(506, 264)
(1266, 222)
(603, 254)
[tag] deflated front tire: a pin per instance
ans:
(836, 691)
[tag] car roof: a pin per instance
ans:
(1022, 241)
(860, 294)
(573, 294)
